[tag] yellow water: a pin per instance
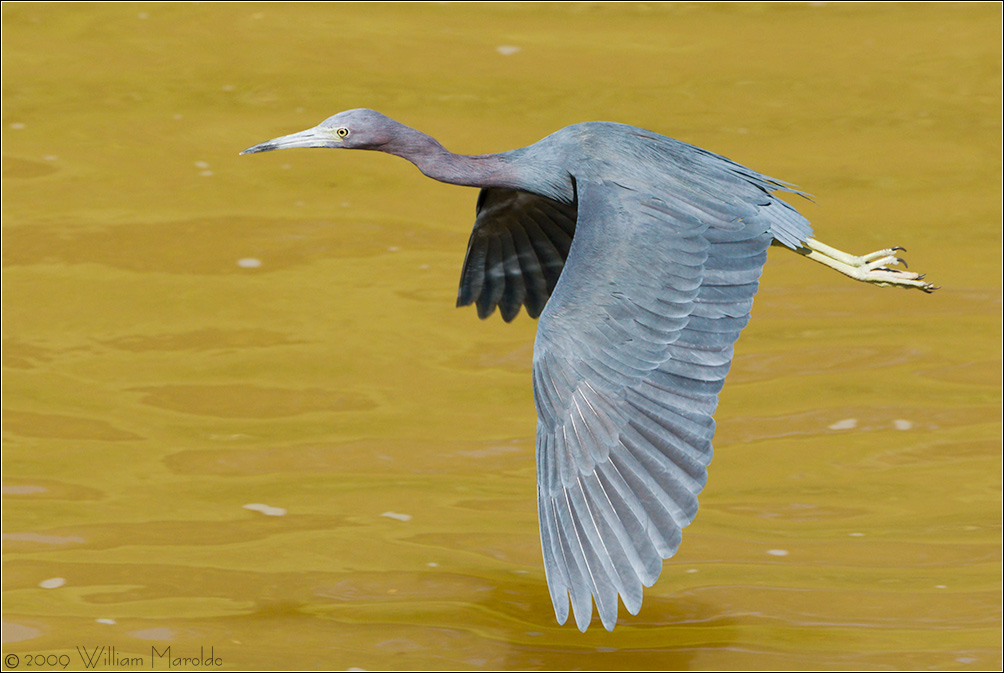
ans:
(187, 332)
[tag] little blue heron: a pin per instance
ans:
(641, 255)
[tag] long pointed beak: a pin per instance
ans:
(315, 137)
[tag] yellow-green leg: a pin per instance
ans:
(875, 267)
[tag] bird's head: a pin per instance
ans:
(353, 129)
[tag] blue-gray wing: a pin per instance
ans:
(631, 352)
(516, 252)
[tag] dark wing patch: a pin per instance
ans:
(516, 252)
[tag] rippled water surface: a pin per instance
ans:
(241, 413)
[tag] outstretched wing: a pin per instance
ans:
(516, 252)
(631, 352)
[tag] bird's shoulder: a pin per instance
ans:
(616, 134)
(641, 158)
(604, 149)
(632, 165)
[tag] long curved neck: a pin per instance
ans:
(435, 161)
(504, 170)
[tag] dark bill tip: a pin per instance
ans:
(261, 147)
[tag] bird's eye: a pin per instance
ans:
(342, 132)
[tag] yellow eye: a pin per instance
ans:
(342, 132)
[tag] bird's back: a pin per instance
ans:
(645, 161)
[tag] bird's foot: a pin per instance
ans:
(876, 268)
(880, 272)
(886, 256)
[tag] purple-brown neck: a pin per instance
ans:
(435, 161)
(509, 170)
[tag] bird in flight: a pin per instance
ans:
(640, 254)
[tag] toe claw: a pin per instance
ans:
(898, 247)
(903, 262)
